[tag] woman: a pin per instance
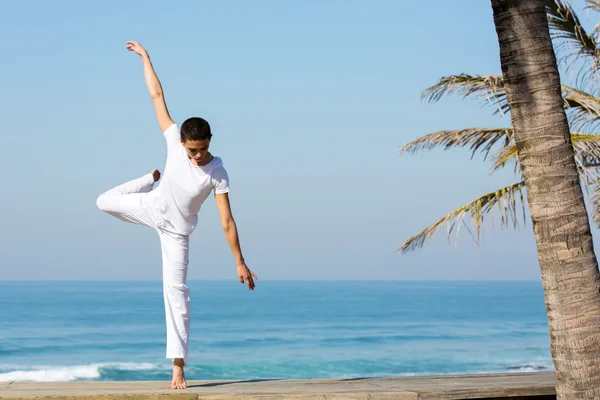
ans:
(191, 173)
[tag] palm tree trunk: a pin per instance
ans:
(561, 226)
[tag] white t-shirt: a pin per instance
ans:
(184, 187)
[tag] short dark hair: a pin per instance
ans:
(195, 128)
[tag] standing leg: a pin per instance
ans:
(123, 201)
(175, 250)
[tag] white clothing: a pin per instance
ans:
(126, 202)
(171, 209)
(184, 186)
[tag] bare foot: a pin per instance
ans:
(156, 174)
(178, 375)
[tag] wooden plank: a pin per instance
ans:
(443, 387)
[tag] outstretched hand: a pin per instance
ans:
(136, 47)
(246, 276)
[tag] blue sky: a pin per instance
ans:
(308, 102)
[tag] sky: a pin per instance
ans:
(308, 102)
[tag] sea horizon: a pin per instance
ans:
(114, 330)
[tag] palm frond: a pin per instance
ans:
(587, 158)
(586, 147)
(487, 87)
(477, 139)
(506, 201)
(583, 109)
(571, 40)
(503, 156)
(595, 201)
(593, 5)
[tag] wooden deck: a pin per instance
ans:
(535, 386)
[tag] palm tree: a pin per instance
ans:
(580, 50)
(552, 169)
(568, 264)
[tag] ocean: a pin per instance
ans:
(97, 331)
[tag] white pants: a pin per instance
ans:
(127, 202)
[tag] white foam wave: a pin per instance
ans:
(68, 373)
(532, 368)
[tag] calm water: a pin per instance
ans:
(59, 331)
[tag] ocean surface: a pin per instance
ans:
(65, 331)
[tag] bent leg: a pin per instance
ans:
(124, 201)
(175, 250)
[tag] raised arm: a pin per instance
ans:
(154, 86)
